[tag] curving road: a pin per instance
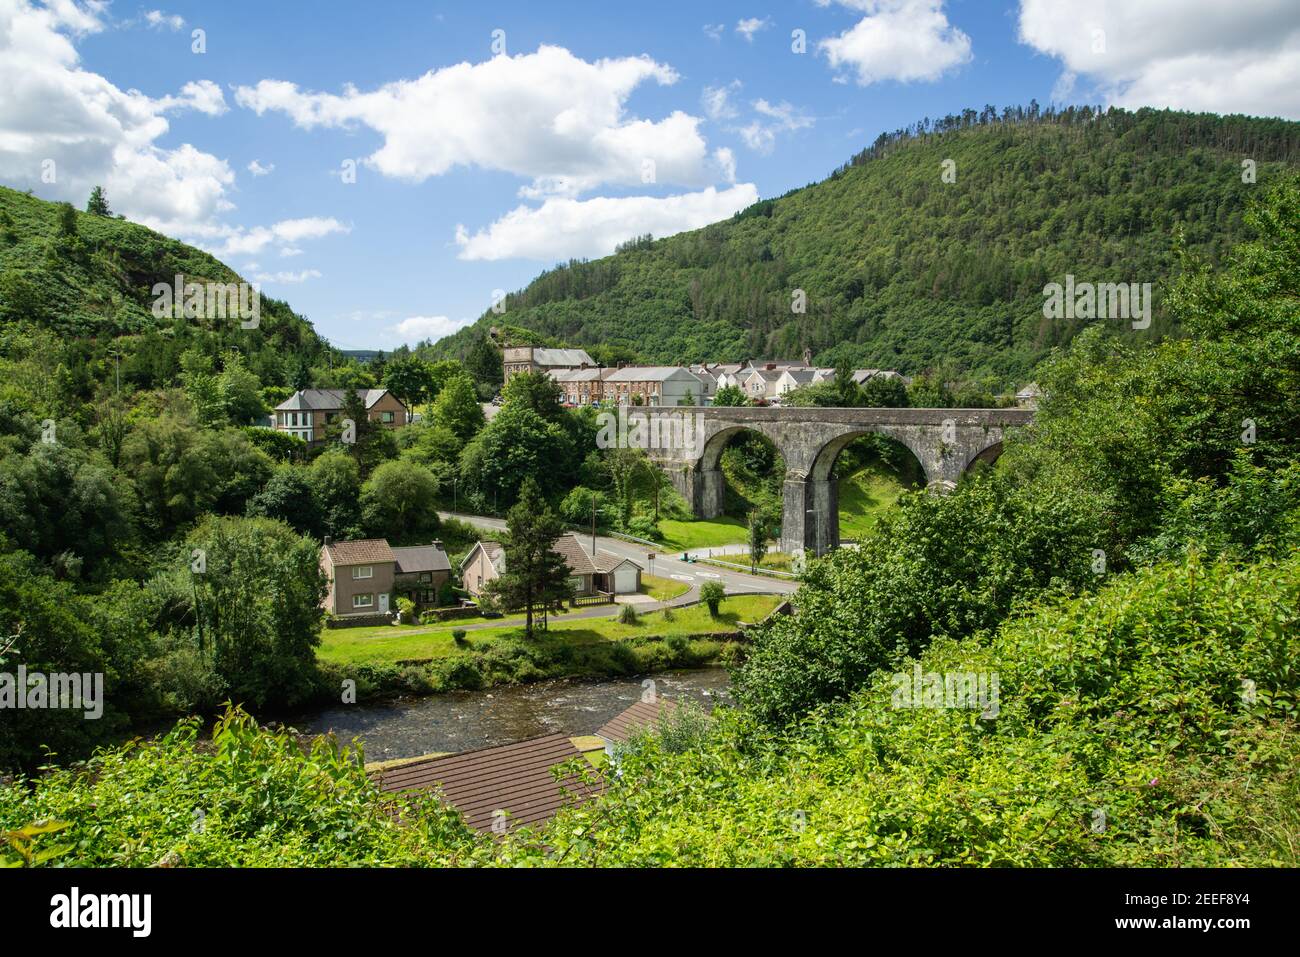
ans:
(666, 564)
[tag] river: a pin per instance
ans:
(463, 720)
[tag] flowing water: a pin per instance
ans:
(462, 720)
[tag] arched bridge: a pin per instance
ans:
(688, 443)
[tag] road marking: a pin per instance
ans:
(710, 575)
(684, 578)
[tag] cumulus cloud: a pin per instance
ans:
(549, 116)
(93, 132)
(257, 169)
(751, 25)
(418, 328)
(904, 40)
(1242, 57)
(237, 240)
(562, 228)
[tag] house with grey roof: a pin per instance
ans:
(588, 574)
(517, 359)
(312, 414)
(364, 575)
(655, 385)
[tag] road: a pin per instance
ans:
(667, 565)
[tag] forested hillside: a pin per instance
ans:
(904, 270)
(79, 286)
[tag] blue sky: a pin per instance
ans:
(477, 166)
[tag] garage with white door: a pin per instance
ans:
(622, 576)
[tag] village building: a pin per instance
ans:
(364, 574)
(589, 576)
(645, 714)
(517, 359)
(497, 789)
(309, 414)
(654, 385)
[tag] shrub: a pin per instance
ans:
(458, 636)
(1128, 702)
(712, 593)
(627, 616)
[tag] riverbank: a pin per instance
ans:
(432, 661)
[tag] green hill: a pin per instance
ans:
(88, 290)
(903, 270)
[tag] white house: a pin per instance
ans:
(762, 383)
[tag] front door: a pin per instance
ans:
(383, 603)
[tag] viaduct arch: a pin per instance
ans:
(688, 442)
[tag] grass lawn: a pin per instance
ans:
(772, 561)
(388, 631)
(864, 495)
(701, 533)
(662, 589)
(353, 646)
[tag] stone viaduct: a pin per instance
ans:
(688, 443)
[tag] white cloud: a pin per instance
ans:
(714, 31)
(257, 169)
(549, 116)
(418, 328)
(761, 133)
(240, 241)
(1242, 57)
(290, 251)
(717, 103)
(751, 25)
(157, 20)
(201, 95)
(902, 40)
(287, 277)
(563, 228)
(726, 162)
(96, 133)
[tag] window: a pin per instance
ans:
(362, 601)
(576, 582)
(363, 571)
(426, 576)
(388, 416)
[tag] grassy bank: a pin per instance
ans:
(433, 662)
(394, 644)
(866, 494)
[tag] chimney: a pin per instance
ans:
(621, 363)
(329, 540)
(771, 366)
(807, 357)
(437, 543)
